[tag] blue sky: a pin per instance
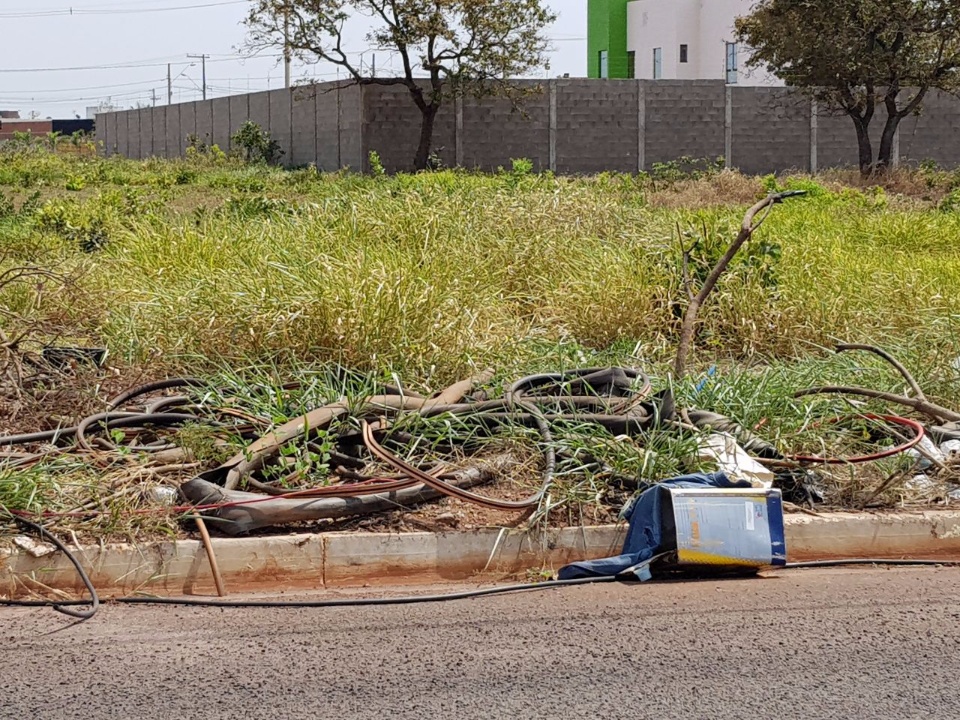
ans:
(118, 50)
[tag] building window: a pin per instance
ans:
(604, 64)
(657, 63)
(631, 64)
(683, 53)
(731, 64)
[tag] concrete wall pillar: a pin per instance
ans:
(814, 136)
(552, 124)
(641, 126)
(728, 127)
(458, 132)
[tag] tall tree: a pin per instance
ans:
(446, 47)
(854, 56)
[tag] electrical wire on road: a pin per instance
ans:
(628, 577)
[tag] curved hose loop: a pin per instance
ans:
(515, 401)
(583, 379)
(128, 395)
(916, 427)
(113, 420)
(43, 533)
(444, 487)
(52, 436)
(618, 378)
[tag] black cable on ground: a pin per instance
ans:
(408, 599)
(343, 602)
(867, 561)
(62, 607)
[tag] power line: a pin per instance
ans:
(76, 89)
(122, 66)
(118, 11)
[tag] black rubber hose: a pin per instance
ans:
(128, 395)
(38, 437)
(121, 399)
(116, 419)
(622, 378)
(61, 607)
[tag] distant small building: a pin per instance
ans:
(104, 107)
(10, 126)
(9, 114)
(670, 40)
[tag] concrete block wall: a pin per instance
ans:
(495, 131)
(172, 131)
(568, 125)
(222, 123)
(351, 128)
(123, 134)
(769, 130)
(188, 125)
(327, 124)
(239, 112)
(159, 132)
(613, 106)
(392, 125)
(303, 127)
(683, 119)
(934, 134)
(145, 128)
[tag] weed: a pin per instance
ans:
(256, 145)
(376, 165)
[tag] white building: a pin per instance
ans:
(690, 40)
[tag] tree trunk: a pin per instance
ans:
(429, 116)
(885, 155)
(864, 147)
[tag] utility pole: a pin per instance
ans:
(169, 86)
(286, 47)
(153, 96)
(373, 72)
(203, 60)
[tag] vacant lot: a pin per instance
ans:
(254, 276)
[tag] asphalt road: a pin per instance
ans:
(807, 644)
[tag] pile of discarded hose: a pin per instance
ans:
(620, 400)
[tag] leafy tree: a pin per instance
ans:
(456, 46)
(854, 56)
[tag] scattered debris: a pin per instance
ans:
(33, 547)
(373, 459)
(734, 460)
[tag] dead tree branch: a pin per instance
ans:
(747, 228)
(914, 385)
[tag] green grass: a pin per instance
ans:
(215, 268)
(432, 275)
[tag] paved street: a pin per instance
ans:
(807, 644)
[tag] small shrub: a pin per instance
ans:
(256, 145)
(74, 222)
(951, 203)
(7, 208)
(258, 206)
(376, 165)
(521, 168)
(76, 183)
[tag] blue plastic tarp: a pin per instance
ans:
(645, 537)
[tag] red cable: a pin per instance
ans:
(917, 428)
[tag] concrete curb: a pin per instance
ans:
(313, 561)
